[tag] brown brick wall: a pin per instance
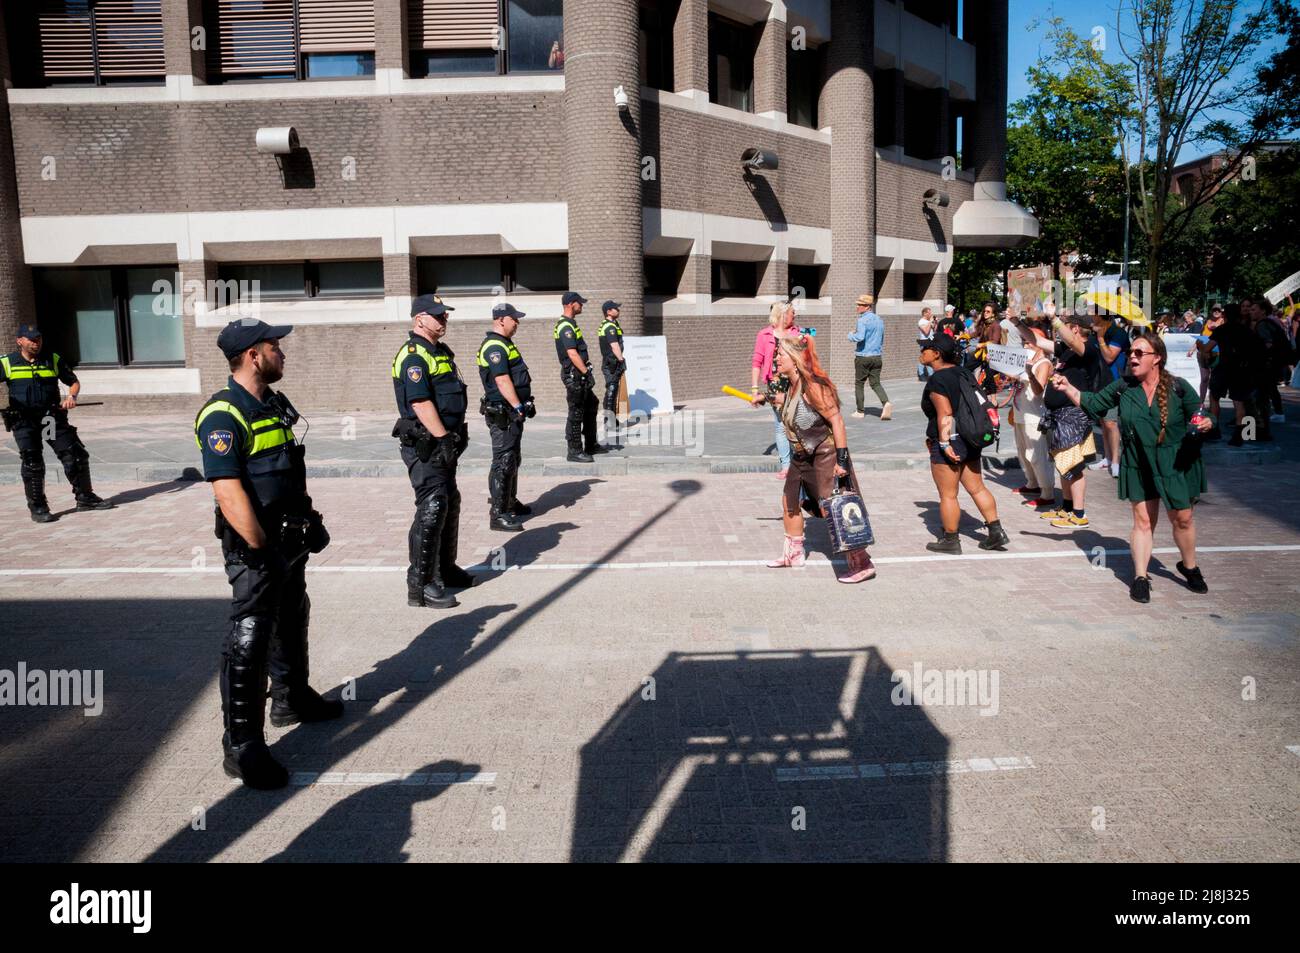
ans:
(691, 46)
(409, 150)
(699, 169)
(899, 212)
(770, 68)
(179, 19)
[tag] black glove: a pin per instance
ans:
(267, 559)
(530, 410)
(590, 379)
(444, 451)
(462, 440)
(318, 537)
(842, 457)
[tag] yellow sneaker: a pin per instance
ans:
(1070, 521)
(1054, 515)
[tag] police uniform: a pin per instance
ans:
(423, 370)
(580, 424)
(613, 367)
(498, 356)
(252, 441)
(34, 413)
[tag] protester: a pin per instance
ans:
(868, 356)
(951, 323)
(1161, 458)
(810, 412)
(780, 321)
(1207, 360)
(1273, 362)
(1070, 436)
(952, 463)
(1113, 344)
(1231, 377)
(925, 329)
(1027, 421)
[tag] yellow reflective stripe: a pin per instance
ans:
(28, 372)
(4, 363)
(512, 352)
(607, 326)
(559, 325)
(227, 407)
(269, 439)
(436, 363)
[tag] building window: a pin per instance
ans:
(655, 44)
(886, 107)
(486, 36)
(732, 47)
(663, 276)
(492, 274)
(916, 285)
(282, 281)
(809, 278)
(803, 85)
(290, 39)
(735, 279)
(88, 42)
(112, 317)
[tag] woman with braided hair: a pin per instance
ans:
(810, 413)
(1161, 423)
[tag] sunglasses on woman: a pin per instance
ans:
(1136, 352)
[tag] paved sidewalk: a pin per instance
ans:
(720, 435)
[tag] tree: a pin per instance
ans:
(1188, 73)
(974, 277)
(1061, 153)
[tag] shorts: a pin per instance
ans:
(958, 447)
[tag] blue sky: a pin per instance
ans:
(1026, 46)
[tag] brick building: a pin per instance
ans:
(475, 147)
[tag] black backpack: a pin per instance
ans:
(977, 420)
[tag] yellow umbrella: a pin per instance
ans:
(1120, 303)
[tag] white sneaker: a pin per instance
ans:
(859, 414)
(1114, 470)
(1101, 464)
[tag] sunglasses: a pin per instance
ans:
(1139, 351)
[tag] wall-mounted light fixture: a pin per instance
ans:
(621, 100)
(755, 159)
(933, 198)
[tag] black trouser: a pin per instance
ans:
(580, 424)
(30, 427)
(434, 485)
(613, 375)
(507, 437)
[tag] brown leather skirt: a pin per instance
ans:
(814, 475)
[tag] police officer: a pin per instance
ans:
(507, 403)
(35, 405)
(431, 401)
(579, 382)
(612, 364)
(267, 528)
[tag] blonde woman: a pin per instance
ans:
(780, 321)
(810, 414)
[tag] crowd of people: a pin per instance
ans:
(1096, 396)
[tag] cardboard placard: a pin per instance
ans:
(649, 385)
(1277, 294)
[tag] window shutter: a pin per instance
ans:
(252, 37)
(66, 47)
(336, 26)
(453, 24)
(129, 38)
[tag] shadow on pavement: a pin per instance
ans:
(765, 756)
(934, 525)
(145, 492)
(562, 494)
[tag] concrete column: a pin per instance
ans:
(180, 17)
(774, 278)
(986, 27)
(690, 46)
(391, 37)
(17, 302)
(770, 68)
(850, 101)
(602, 156)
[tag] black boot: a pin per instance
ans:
(500, 517)
(1235, 440)
(33, 471)
(424, 584)
(243, 705)
(512, 494)
(79, 476)
(452, 575)
(578, 456)
(293, 700)
(1195, 581)
(949, 543)
(997, 538)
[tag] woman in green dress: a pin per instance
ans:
(1160, 462)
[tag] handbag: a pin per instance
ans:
(847, 520)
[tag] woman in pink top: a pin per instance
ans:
(779, 321)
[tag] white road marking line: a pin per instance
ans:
(1294, 749)
(668, 795)
(369, 778)
(816, 560)
(911, 769)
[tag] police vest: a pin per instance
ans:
(515, 367)
(562, 349)
(605, 342)
(34, 385)
(275, 473)
(449, 391)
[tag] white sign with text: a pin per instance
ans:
(1008, 360)
(649, 386)
(1181, 364)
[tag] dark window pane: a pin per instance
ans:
(274, 280)
(807, 277)
(916, 285)
(436, 62)
(75, 311)
(655, 46)
(731, 63)
(536, 35)
(542, 273)
(459, 275)
(318, 65)
(353, 278)
(663, 276)
(735, 279)
(154, 316)
(803, 83)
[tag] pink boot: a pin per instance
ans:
(792, 556)
(860, 567)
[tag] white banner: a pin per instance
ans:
(1286, 286)
(1180, 363)
(649, 386)
(1008, 360)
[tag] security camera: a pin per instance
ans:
(754, 159)
(277, 140)
(933, 198)
(620, 98)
